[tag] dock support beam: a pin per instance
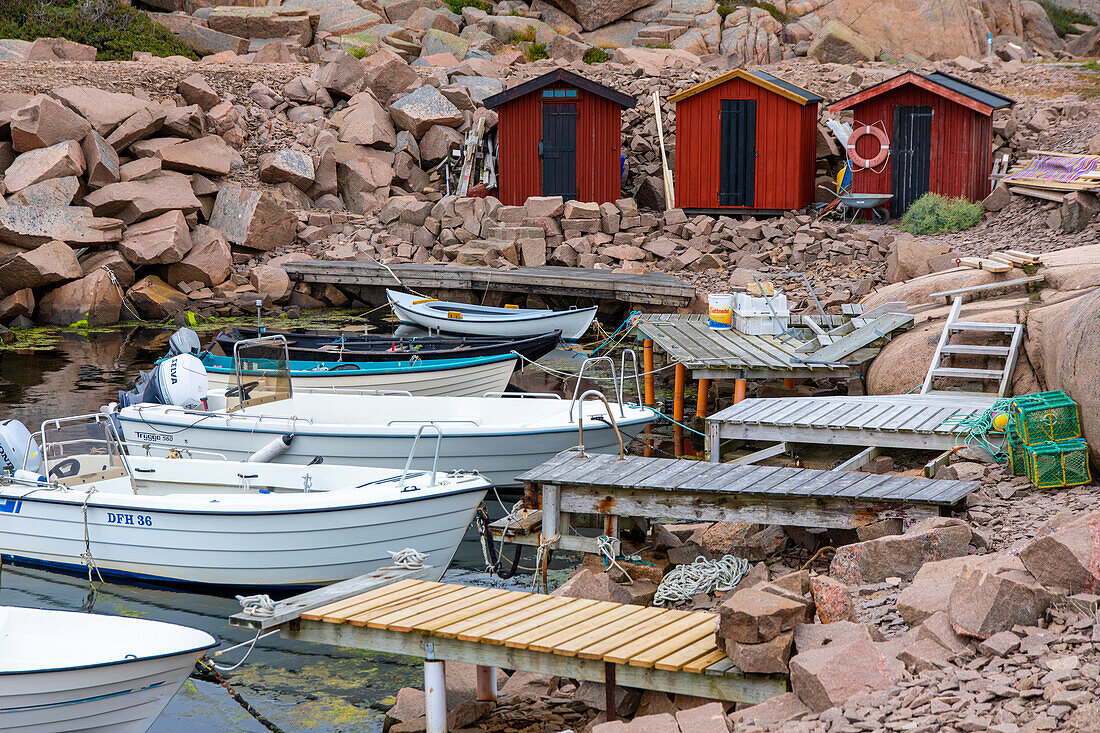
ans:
(678, 411)
(609, 691)
(486, 683)
(704, 396)
(435, 696)
(738, 390)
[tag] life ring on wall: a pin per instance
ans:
(883, 150)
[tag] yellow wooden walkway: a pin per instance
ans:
(633, 646)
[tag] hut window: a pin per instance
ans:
(559, 94)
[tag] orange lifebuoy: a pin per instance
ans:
(884, 146)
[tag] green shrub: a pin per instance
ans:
(458, 5)
(595, 55)
(527, 35)
(115, 28)
(933, 213)
(535, 52)
(514, 13)
(1063, 19)
(724, 10)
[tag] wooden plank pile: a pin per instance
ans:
(1081, 173)
(1002, 261)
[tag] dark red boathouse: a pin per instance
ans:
(559, 135)
(939, 132)
(745, 140)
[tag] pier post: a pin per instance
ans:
(551, 510)
(704, 395)
(738, 390)
(647, 367)
(678, 411)
(788, 383)
(486, 684)
(435, 693)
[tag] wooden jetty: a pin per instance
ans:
(650, 288)
(600, 641)
(922, 421)
(569, 485)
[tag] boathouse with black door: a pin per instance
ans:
(745, 140)
(935, 132)
(559, 135)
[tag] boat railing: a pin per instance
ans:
(433, 422)
(356, 391)
(412, 454)
(292, 419)
(622, 376)
(592, 361)
(611, 416)
(524, 395)
(111, 439)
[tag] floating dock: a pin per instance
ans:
(650, 288)
(610, 488)
(921, 421)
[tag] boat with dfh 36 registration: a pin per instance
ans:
(62, 671)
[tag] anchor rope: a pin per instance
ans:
(684, 582)
(408, 559)
(204, 668)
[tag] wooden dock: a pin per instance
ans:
(728, 354)
(569, 485)
(651, 288)
(922, 421)
(600, 641)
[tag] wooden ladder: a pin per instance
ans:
(1009, 353)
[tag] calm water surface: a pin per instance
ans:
(299, 686)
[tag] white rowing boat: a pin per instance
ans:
(500, 437)
(480, 320)
(206, 520)
(62, 671)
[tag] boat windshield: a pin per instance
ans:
(81, 449)
(261, 377)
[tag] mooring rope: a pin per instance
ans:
(259, 605)
(203, 667)
(408, 559)
(685, 582)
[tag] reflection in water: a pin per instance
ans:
(299, 686)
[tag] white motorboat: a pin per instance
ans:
(197, 518)
(440, 377)
(500, 437)
(480, 320)
(62, 671)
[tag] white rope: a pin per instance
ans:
(89, 560)
(260, 605)
(408, 559)
(610, 547)
(685, 582)
(545, 543)
(251, 646)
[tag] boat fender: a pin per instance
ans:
(17, 448)
(883, 150)
(272, 450)
(30, 476)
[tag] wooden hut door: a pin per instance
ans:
(559, 150)
(737, 166)
(911, 156)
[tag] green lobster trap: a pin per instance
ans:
(1017, 458)
(1058, 463)
(1046, 416)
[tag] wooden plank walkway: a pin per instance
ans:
(651, 288)
(700, 491)
(888, 421)
(635, 646)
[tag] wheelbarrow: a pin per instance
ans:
(853, 204)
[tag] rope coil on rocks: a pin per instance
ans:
(684, 582)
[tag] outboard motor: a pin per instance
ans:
(180, 381)
(17, 446)
(184, 341)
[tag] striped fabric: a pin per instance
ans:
(1062, 168)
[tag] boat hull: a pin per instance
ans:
(473, 380)
(500, 457)
(259, 549)
(484, 321)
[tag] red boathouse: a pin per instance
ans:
(939, 133)
(745, 140)
(559, 135)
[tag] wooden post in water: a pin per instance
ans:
(609, 691)
(678, 411)
(738, 390)
(486, 683)
(704, 395)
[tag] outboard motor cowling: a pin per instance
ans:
(180, 381)
(16, 447)
(183, 341)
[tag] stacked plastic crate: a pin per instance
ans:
(1044, 440)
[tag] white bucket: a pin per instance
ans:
(720, 306)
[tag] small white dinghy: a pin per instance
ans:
(62, 671)
(197, 518)
(480, 320)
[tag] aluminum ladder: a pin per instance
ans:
(945, 348)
